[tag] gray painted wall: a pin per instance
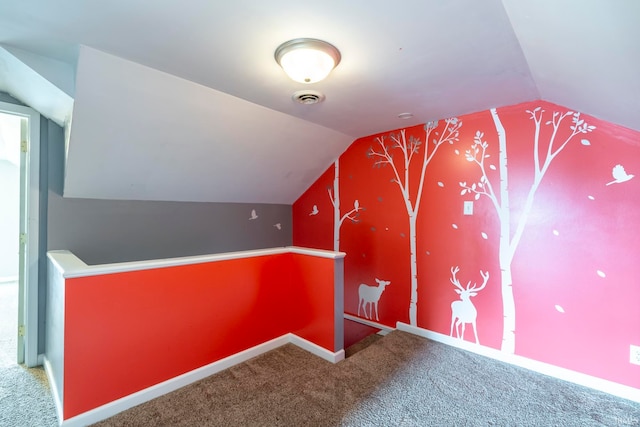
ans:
(42, 221)
(106, 231)
(5, 97)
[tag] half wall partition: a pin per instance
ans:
(121, 334)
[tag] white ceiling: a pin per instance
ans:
(184, 101)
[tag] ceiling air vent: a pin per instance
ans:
(308, 97)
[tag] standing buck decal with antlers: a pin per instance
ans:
(463, 311)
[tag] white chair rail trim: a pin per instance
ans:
(70, 266)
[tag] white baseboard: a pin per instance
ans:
(112, 408)
(595, 383)
(384, 329)
(316, 349)
(57, 400)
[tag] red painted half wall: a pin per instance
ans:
(125, 332)
(545, 267)
(311, 304)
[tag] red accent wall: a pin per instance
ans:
(125, 332)
(574, 269)
(311, 301)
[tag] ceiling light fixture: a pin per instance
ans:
(307, 60)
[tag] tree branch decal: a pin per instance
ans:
(382, 154)
(334, 196)
(509, 240)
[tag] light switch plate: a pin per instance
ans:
(468, 207)
(634, 354)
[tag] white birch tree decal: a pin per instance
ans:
(509, 240)
(382, 153)
(352, 215)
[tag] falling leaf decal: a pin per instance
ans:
(484, 235)
(601, 274)
(559, 308)
(591, 197)
(457, 152)
(440, 184)
(492, 167)
(585, 142)
(556, 233)
(454, 226)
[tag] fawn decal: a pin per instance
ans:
(371, 295)
(463, 311)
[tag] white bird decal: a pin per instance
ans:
(619, 175)
(254, 215)
(314, 211)
(278, 226)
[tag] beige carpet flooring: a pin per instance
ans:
(399, 380)
(8, 323)
(25, 398)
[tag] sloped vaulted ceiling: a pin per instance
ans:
(184, 101)
(162, 137)
(583, 54)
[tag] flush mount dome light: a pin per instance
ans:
(307, 60)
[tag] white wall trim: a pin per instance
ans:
(384, 329)
(333, 357)
(596, 383)
(57, 399)
(112, 408)
(71, 266)
(321, 253)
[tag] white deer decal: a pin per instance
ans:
(371, 295)
(463, 311)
